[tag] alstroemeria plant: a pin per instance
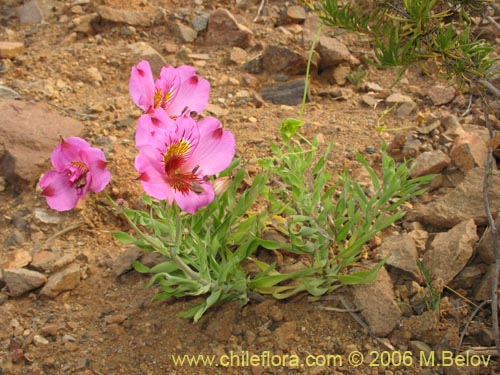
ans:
(78, 167)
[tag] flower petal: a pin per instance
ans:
(141, 85)
(58, 191)
(192, 201)
(152, 180)
(193, 92)
(69, 150)
(216, 148)
(150, 125)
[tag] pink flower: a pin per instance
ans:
(78, 168)
(175, 91)
(177, 161)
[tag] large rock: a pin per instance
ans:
(30, 131)
(377, 303)
(429, 162)
(9, 50)
(469, 151)
(224, 30)
(280, 59)
(401, 253)
(450, 251)
(462, 203)
(67, 279)
(21, 281)
(332, 52)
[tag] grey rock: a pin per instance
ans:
(401, 253)
(124, 261)
(377, 303)
(450, 251)
(200, 22)
(482, 292)
(462, 203)
(30, 133)
(21, 281)
(183, 33)
(8, 93)
(47, 217)
(281, 59)
(289, 93)
(398, 98)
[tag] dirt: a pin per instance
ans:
(110, 325)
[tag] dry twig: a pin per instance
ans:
(495, 233)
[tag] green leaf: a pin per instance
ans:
(361, 277)
(124, 238)
(141, 268)
(289, 127)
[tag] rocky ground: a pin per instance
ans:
(69, 302)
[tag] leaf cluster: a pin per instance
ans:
(417, 31)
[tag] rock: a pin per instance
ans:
(145, 52)
(29, 12)
(47, 217)
(30, 132)
(370, 100)
(183, 33)
(67, 279)
(418, 346)
(450, 251)
(94, 75)
(340, 74)
(377, 303)
(44, 261)
(9, 50)
(441, 95)
(126, 16)
(224, 30)
(64, 261)
(401, 253)
(469, 151)
(398, 98)
(462, 203)
(420, 238)
(115, 318)
(485, 247)
(124, 261)
(85, 23)
(238, 55)
(406, 109)
(281, 59)
(8, 93)
(21, 281)
(255, 65)
(427, 128)
(152, 259)
(411, 147)
(294, 14)
(429, 162)
(40, 340)
(200, 22)
(482, 292)
(289, 93)
(424, 327)
(332, 52)
(17, 260)
(372, 86)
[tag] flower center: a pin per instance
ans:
(173, 161)
(77, 174)
(161, 100)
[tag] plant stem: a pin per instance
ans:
(174, 250)
(308, 71)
